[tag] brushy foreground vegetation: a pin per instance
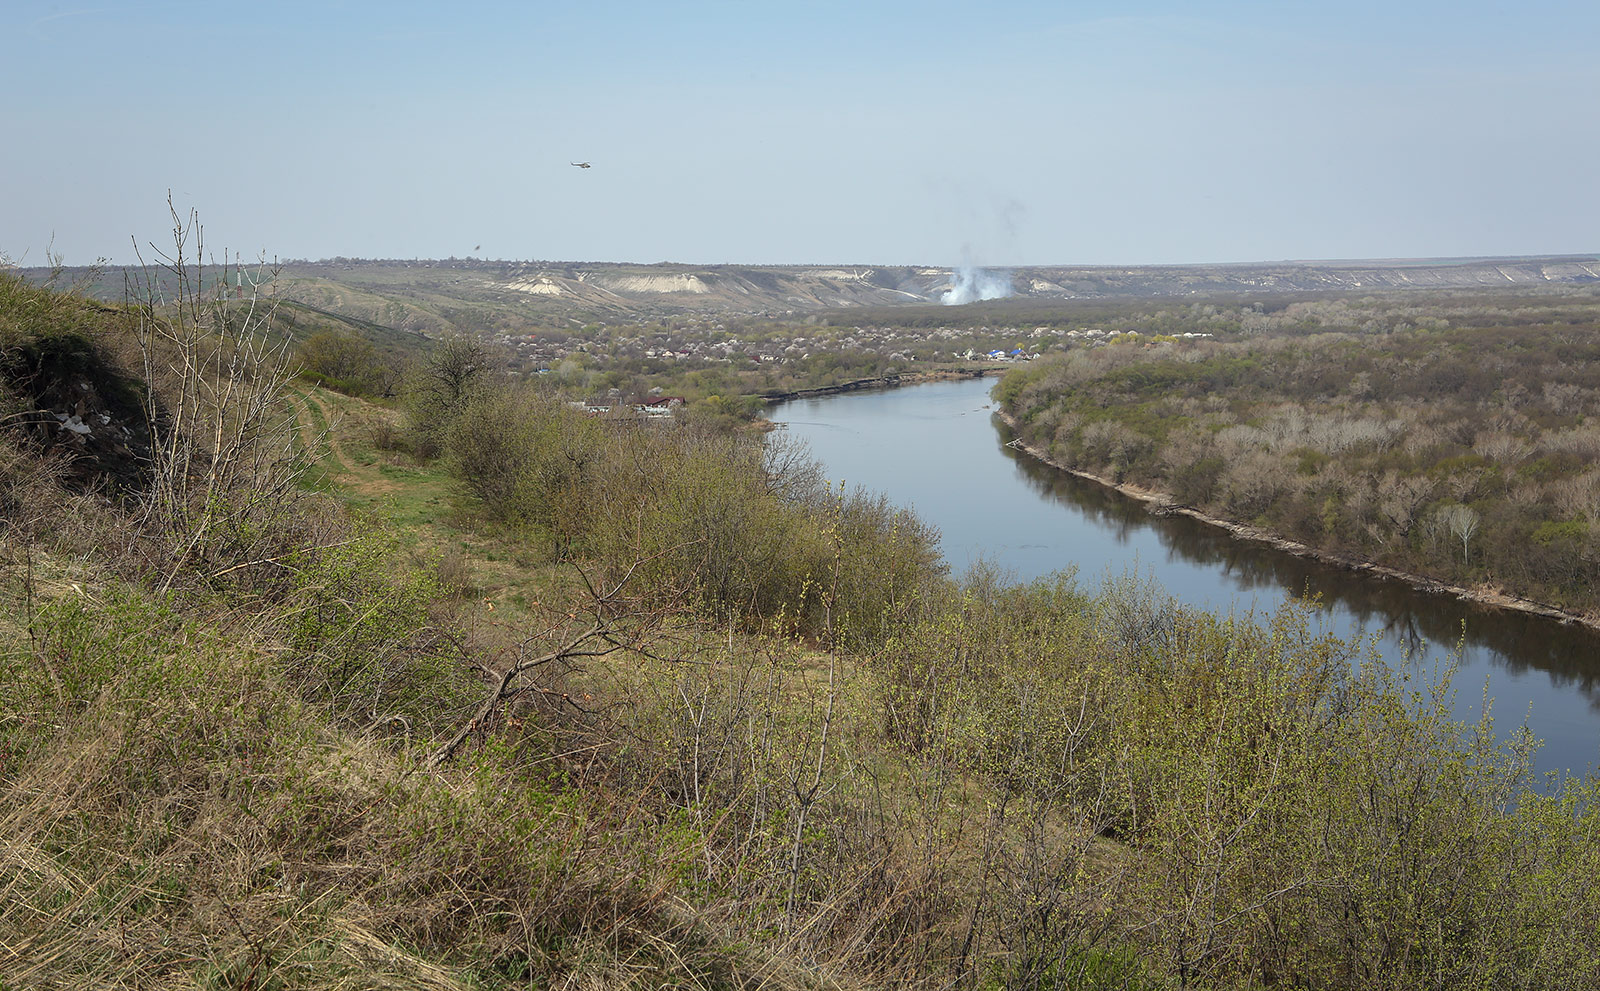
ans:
(726, 728)
(1462, 446)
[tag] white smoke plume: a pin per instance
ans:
(972, 283)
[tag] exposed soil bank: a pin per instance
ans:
(1162, 504)
(882, 382)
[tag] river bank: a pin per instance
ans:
(882, 382)
(1161, 503)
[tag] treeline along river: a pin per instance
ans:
(939, 449)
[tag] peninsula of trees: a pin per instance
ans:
(1457, 440)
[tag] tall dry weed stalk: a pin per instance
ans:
(221, 416)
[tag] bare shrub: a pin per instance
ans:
(1426, 438)
(1252, 480)
(453, 571)
(1580, 496)
(1566, 398)
(225, 466)
(1501, 446)
(1113, 446)
(384, 436)
(1242, 437)
(1400, 496)
(793, 473)
(1583, 441)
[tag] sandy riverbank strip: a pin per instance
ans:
(893, 381)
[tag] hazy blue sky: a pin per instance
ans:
(898, 132)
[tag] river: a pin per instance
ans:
(939, 449)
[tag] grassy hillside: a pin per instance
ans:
(583, 703)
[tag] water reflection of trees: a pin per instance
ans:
(1399, 613)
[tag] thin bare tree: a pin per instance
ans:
(220, 414)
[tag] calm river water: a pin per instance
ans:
(938, 448)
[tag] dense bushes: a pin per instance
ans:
(1031, 786)
(1286, 811)
(693, 510)
(344, 362)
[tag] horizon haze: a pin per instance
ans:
(907, 134)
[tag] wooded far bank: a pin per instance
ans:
(1462, 446)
